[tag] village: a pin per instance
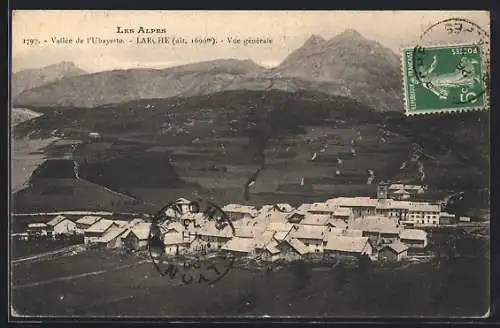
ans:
(391, 227)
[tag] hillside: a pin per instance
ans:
(361, 69)
(32, 78)
(347, 65)
(295, 146)
(118, 86)
(19, 115)
(54, 186)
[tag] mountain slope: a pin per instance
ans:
(354, 66)
(19, 115)
(294, 146)
(32, 78)
(127, 85)
(346, 65)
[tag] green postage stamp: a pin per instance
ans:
(441, 79)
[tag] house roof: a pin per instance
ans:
(249, 231)
(297, 245)
(309, 232)
(401, 192)
(333, 232)
(296, 212)
(424, 207)
(140, 230)
(322, 207)
(266, 208)
(121, 223)
(378, 224)
(315, 219)
(237, 244)
(397, 246)
(284, 207)
(346, 244)
(210, 229)
(264, 238)
(58, 219)
(241, 223)
(280, 226)
(37, 225)
(353, 233)
(413, 234)
(177, 238)
(135, 222)
(271, 247)
(141, 234)
(100, 226)
(354, 201)
(258, 223)
(390, 204)
(112, 234)
(183, 201)
(277, 216)
(89, 219)
(342, 211)
(303, 207)
(142, 225)
(338, 223)
(238, 208)
(280, 235)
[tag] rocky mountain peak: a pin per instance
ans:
(349, 34)
(314, 40)
(35, 77)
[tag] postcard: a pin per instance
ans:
(320, 164)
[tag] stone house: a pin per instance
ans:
(394, 252)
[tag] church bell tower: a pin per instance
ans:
(382, 190)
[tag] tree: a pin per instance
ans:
(364, 263)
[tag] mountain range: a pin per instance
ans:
(347, 65)
(32, 78)
(322, 123)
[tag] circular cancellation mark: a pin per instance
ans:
(185, 242)
(454, 31)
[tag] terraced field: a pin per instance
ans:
(256, 147)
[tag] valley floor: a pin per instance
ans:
(104, 283)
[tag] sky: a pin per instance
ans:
(288, 30)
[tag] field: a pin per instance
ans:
(295, 146)
(19, 115)
(110, 283)
(27, 155)
(49, 195)
(25, 248)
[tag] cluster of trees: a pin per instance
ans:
(127, 202)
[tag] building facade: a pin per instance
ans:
(61, 225)
(393, 252)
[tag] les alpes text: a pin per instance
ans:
(141, 29)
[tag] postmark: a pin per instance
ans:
(185, 239)
(448, 70)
